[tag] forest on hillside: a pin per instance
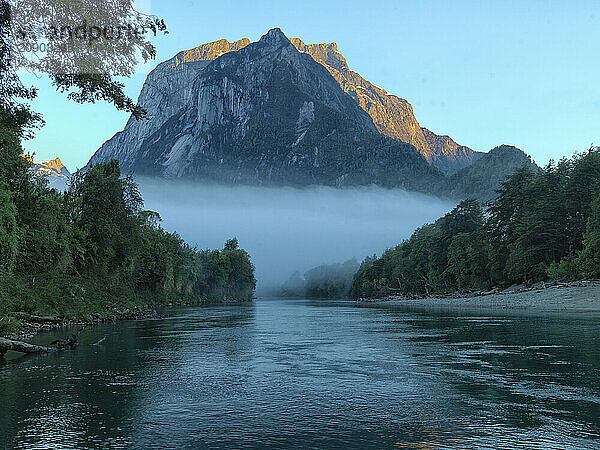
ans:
(542, 225)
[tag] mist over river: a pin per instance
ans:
(313, 374)
(287, 229)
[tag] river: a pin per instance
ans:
(313, 374)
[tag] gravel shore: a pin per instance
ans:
(582, 296)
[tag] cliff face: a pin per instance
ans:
(54, 167)
(393, 116)
(264, 114)
(166, 91)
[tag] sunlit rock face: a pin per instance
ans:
(207, 52)
(54, 167)
(56, 172)
(260, 113)
(392, 115)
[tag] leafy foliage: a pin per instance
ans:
(541, 225)
(94, 249)
(111, 37)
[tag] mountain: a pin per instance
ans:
(393, 116)
(447, 155)
(54, 168)
(260, 113)
(481, 179)
(281, 112)
(56, 172)
(168, 87)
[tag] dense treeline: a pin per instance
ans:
(94, 249)
(542, 225)
(326, 281)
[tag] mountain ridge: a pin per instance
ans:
(54, 170)
(268, 113)
(392, 115)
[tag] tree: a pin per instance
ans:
(8, 232)
(80, 45)
(107, 208)
(240, 279)
(580, 185)
(539, 238)
(505, 213)
(588, 260)
(293, 286)
(468, 260)
(231, 244)
(466, 217)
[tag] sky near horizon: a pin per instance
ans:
(523, 73)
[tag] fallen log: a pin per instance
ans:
(37, 319)
(22, 347)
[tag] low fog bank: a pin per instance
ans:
(286, 229)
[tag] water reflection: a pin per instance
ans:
(313, 374)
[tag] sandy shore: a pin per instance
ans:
(582, 296)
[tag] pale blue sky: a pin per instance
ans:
(523, 72)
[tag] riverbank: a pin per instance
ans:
(23, 327)
(581, 296)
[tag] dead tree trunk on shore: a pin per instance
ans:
(22, 347)
(38, 319)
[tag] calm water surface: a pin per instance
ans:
(313, 374)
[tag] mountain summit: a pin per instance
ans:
(264, 114)
(54, 170)
(280, 112)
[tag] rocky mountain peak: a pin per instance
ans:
(391, 115)
(56, 172)
(54, 164)
(284, 99)
(275, 37)
(54, 167)
(207, 52)
(326, 54)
